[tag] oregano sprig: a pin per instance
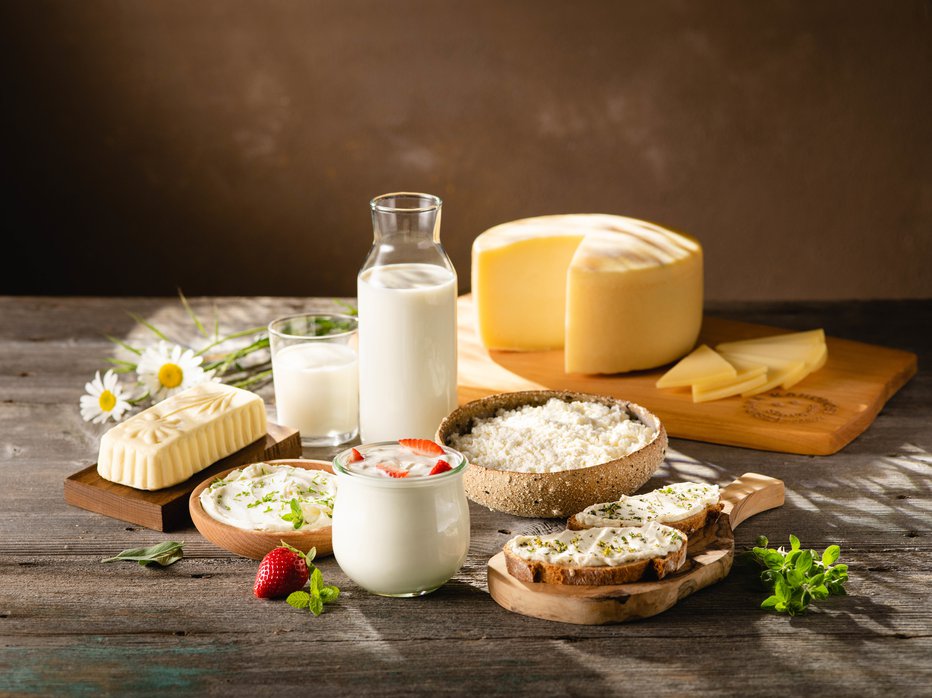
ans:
(798, 577)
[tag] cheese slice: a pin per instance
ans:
(787, 376)
(702, 365)
(808, 337)
(617, 293)
(796, 351)
(748, 375)
(735, 387)
(169, 442)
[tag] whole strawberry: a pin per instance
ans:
(282, 571)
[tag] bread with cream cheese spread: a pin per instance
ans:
(605, 556)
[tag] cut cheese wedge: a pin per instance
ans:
(701, 366)
(786, 377)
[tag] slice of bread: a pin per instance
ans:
(549, 559)
(685, 506)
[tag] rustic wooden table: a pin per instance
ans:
(70, 625)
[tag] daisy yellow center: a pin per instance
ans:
(107, 401)
(171, 375)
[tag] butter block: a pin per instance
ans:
(185, 433)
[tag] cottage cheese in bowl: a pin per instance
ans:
(272, 497)
(553, 437)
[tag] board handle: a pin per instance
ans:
(749, 495)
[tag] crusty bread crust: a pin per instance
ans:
(549, 573)
(561, 493)
(694, 523)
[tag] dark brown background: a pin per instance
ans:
(231, 147)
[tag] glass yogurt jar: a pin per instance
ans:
(401, 522)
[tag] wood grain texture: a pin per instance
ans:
(70, 625)
(255, 544)
(709, 558)
(167, 509)
(818, 416)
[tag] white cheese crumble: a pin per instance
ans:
(665, 505)
(600, 547)
(553, 437)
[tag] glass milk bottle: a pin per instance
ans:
(407, 322)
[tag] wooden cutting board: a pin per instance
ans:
(710, 555)
(167, 509)
(819, 416)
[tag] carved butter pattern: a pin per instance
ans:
(209, 404)
(152, 428)
(789, 407)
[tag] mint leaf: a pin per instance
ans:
(316, 604)
(298, 599)
(329, 594)
(794, 542)
(296, 517)
(163, 554)
(316, 580)
(830, 555)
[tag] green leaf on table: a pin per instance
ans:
(163, 554)
(830, 555)
(329, 594)
(298, 599)
(794, 542)
(316, 604)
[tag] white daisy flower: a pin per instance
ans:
(105, 399)
(166, 369)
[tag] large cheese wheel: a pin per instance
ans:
(617, 293)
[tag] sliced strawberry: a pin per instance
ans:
(355, 456)
(441, 467)
(422, 447)
(391, 470)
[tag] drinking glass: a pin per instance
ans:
(315, 372)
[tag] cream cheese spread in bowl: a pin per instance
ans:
(272, 497)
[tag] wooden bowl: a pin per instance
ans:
(564, 492)
(255, 544)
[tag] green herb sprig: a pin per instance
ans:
(798, 577)
(317, 593)
(163, 554)
(296, 517)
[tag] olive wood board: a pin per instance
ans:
(255, 544)
(167, 509)
(818, 416)
(710, 554)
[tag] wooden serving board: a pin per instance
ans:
(818, 416)
(709, 558)
(167, 509)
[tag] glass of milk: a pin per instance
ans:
(316, 376)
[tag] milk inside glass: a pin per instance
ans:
(316, 389)
(407, 350)
(315, 372)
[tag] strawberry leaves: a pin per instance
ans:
(798, 577)
(316, 596)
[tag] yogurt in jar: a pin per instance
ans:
(272, 497)
(400, 534)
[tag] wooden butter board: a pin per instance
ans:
(709, 558)
(167, 509)
(818, 416)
